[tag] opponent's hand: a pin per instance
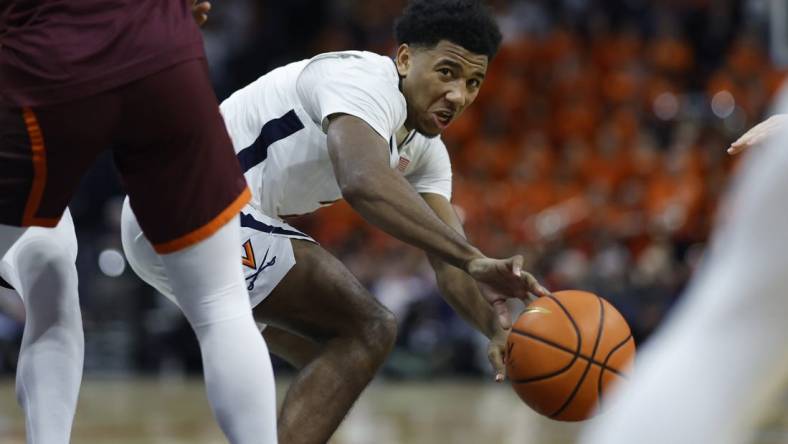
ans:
(508, 280)
(199, 10)
(496, 353)
(759, 133)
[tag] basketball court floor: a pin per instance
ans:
(175, 411)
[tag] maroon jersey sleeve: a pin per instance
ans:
(55, 51)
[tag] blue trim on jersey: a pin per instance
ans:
(272, 132)
(409, 137)
(248, 221)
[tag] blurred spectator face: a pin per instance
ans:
(438, 83)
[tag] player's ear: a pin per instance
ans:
(403, 60)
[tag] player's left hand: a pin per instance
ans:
(496, 353)
(508, 280)
(199, 10)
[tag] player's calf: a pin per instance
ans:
(51, 357)
(326, 388)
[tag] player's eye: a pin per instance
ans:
(474, 83)
(446, 72)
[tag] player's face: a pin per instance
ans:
(438, 84)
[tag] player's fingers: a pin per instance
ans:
(517, 265)
(740, 144)
(496, 357)
(200, 11)
(534, 286)
(736, 149)
(755, 135)
(202, 8)
(759, 138)
(503, 313)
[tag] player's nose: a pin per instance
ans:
(456, 96)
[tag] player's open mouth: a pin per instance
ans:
(442, 118)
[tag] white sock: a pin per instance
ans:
(49, 370)
(210, 289)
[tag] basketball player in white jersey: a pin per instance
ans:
(722, 354)
(362, 127)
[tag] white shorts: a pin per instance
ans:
(265, 253)
(62, 237)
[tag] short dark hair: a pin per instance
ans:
(468, 23)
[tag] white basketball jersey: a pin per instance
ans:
(277, 125)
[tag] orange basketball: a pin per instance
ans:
(565, 350)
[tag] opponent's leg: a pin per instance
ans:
(207, 283)
(50, 364)
(708, 369)
(321, 300)
(209, 287)
(187, 187)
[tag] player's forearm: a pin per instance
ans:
(461, 292)
(360, 158)
(390, 203)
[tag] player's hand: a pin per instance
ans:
(759, 133)
(496, 353)
(508, 280)
(199, 10)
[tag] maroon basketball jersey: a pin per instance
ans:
(55, 51)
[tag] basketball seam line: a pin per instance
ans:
(568, 365)
(602, 370)
(576, 352)
(588, 366)
(547, 376)
(564, 349)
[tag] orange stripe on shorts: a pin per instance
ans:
(208, 229)
(39, 172)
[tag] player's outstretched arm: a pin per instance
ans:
(464, 295)
(360, 158)
(759, 133)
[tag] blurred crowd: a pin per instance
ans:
(596, 148)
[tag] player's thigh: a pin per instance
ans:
(319, 297)
(175, 158)
(140, 253)
(45, 151)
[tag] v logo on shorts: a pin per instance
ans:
(264, 265)
(248, 258)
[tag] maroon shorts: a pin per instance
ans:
(170, 147)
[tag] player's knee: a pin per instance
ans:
(380, 332)
(47, 261)
(49, 277)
